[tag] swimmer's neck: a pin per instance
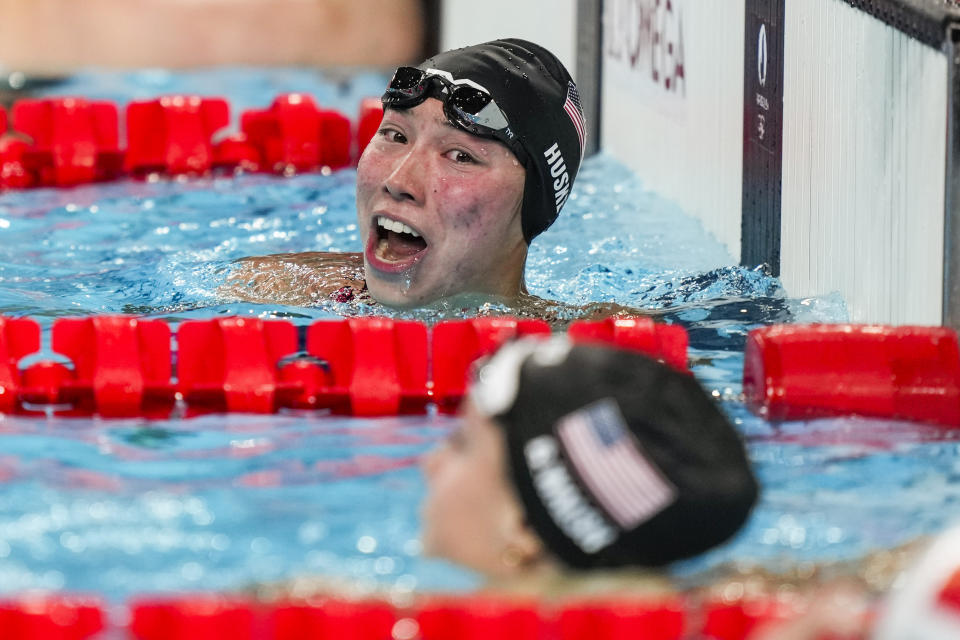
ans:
(511, 295)
(551, 581)
(477, 300)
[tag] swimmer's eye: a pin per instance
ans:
(460, 157)
(392, 135)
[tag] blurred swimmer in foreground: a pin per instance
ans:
(580, 466)
(580, 470)
(476, 155)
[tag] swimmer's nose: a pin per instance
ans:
(406, 180)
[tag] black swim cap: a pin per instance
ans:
(618, 460)
(541, 102)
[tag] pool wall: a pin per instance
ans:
(817, 137)
(864, 151)
(672, 103)
(547, 22)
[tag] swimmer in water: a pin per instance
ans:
(580, 469)
(476, 155)
(577, 470)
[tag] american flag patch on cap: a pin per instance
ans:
(610, 463)
(575, 111)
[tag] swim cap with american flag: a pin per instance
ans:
(618, 459)
(575, 111)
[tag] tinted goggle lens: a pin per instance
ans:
(406, 79)
(469, 100)
(411, 83)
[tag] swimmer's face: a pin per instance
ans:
(438, 210)
(471, 514)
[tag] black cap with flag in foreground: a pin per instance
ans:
(618, 459)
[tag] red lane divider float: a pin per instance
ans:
(13, 171)
(230, 364)
(458, 343)
(379, 365)
(662, 619)
(50, 617)
(479, 618)
(215, 616)
(207, 616)
(69, 141)
(738, 619)
(466, 617)
(334, 618)
(173, 134)
(18, 337)
(793, 372)
(10, 163)
(665, 342)
(218, 617)
(123, 366)
(294, 134)
(74, 141)
(236, 152)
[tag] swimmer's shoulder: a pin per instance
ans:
(349, 264)
(298, 279)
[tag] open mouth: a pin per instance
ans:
(396, 243)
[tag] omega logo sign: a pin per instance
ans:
(647, 36)
(762, 55)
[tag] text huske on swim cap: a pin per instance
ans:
(558, 170)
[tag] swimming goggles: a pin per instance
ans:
(466, 104)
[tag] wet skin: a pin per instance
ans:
(471, 515)
(460, 193)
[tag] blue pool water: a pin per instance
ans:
(120, 507)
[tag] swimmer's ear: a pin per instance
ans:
(523, 548)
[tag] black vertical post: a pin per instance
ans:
(432, 15)
(951, 220)
(589, 65)
(762, 134)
